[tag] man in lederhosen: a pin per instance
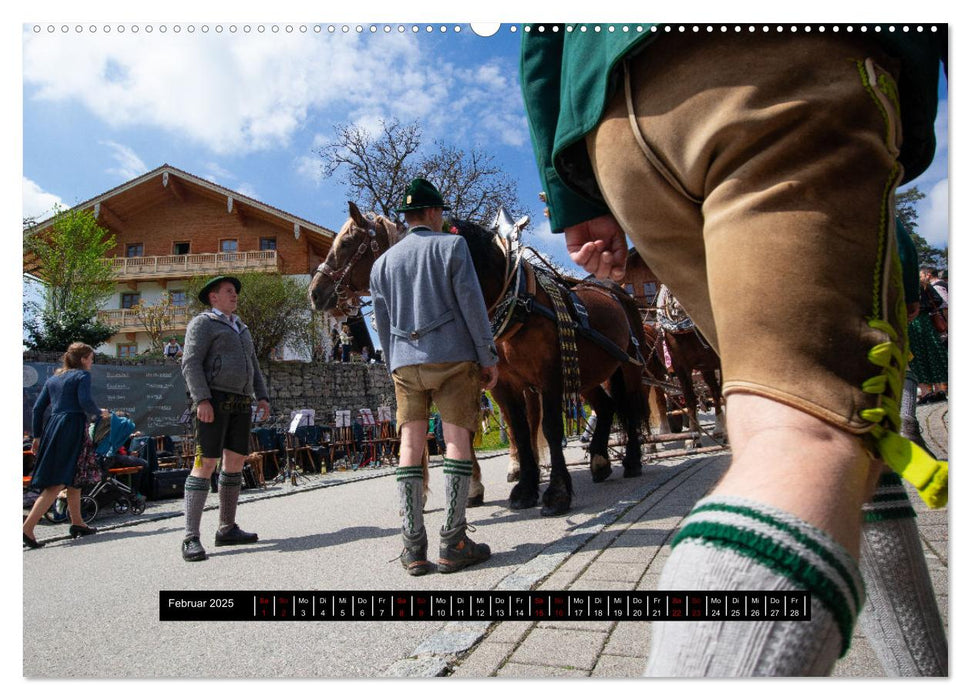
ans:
(440, 350)
(222, 375)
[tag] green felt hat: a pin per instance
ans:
(421, 194)
(204, 293)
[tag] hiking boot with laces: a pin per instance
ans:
(457, 551)
(414, 556)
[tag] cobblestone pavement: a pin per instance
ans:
(629, 555)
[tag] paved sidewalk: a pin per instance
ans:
(629, 555)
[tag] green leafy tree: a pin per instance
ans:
(906, 210)
(70, 258)
(312, 337)
(50, 332)
(273, 306)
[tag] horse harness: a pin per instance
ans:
(346, 294)
(518, 301)
(673, 318)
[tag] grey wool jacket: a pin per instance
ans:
(428, 305)
(217, 358)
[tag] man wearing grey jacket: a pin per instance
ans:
(435, 331)
(222, 374)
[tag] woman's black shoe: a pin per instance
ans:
(32, 543)
(81, 530)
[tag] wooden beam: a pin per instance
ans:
(172, 185)
(232, 206)
(103, 213)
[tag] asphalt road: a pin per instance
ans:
(91, 605)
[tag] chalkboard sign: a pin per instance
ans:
(154, 396)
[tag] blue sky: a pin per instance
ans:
(247, 109)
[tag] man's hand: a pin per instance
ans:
(599, 246)
(262, 410)
(35, 445)
(489, 376)
(204, 411)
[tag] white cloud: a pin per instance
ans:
(247, 190)
(217, 173)
(932, 213)
(37, 203)
(309, 168)
(129, 165)
(243, 93)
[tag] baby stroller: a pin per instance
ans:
(107, 437)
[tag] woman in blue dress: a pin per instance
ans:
(68, 393)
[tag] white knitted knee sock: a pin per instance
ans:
(730, 544)
(900, 617)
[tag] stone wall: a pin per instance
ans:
(326, 387)
(322, 386)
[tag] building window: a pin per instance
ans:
(135, 250)
(180, 248)
(268, 243)
(130, 299)
(127, 350)
(178, 298)
(228, 245)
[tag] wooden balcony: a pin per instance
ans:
(184, 266)
(126, 321)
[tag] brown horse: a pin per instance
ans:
(689, 351)
(529, 354)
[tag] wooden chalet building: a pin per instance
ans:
(642, 284)
(170, 226)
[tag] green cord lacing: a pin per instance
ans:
(905, 458)
(928, 475)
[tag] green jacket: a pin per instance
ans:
(569, 77)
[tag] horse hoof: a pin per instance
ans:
(635, 470)
(523, 503)
(475, 501)
(512, 471)
(554, 509)
(599, 468)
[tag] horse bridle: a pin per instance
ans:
(348, 298)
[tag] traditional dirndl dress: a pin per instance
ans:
(929, 363)
(60, 447)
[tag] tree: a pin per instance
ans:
(377, 168)
(313, 337)
(906, 210)
(273, 306)
(54, 332)
(157, 318)
(71, 259)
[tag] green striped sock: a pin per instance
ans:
(900, 618)
(196, 493)
(729, 543)
(458, 475)
(410, 486)
(229, 488)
